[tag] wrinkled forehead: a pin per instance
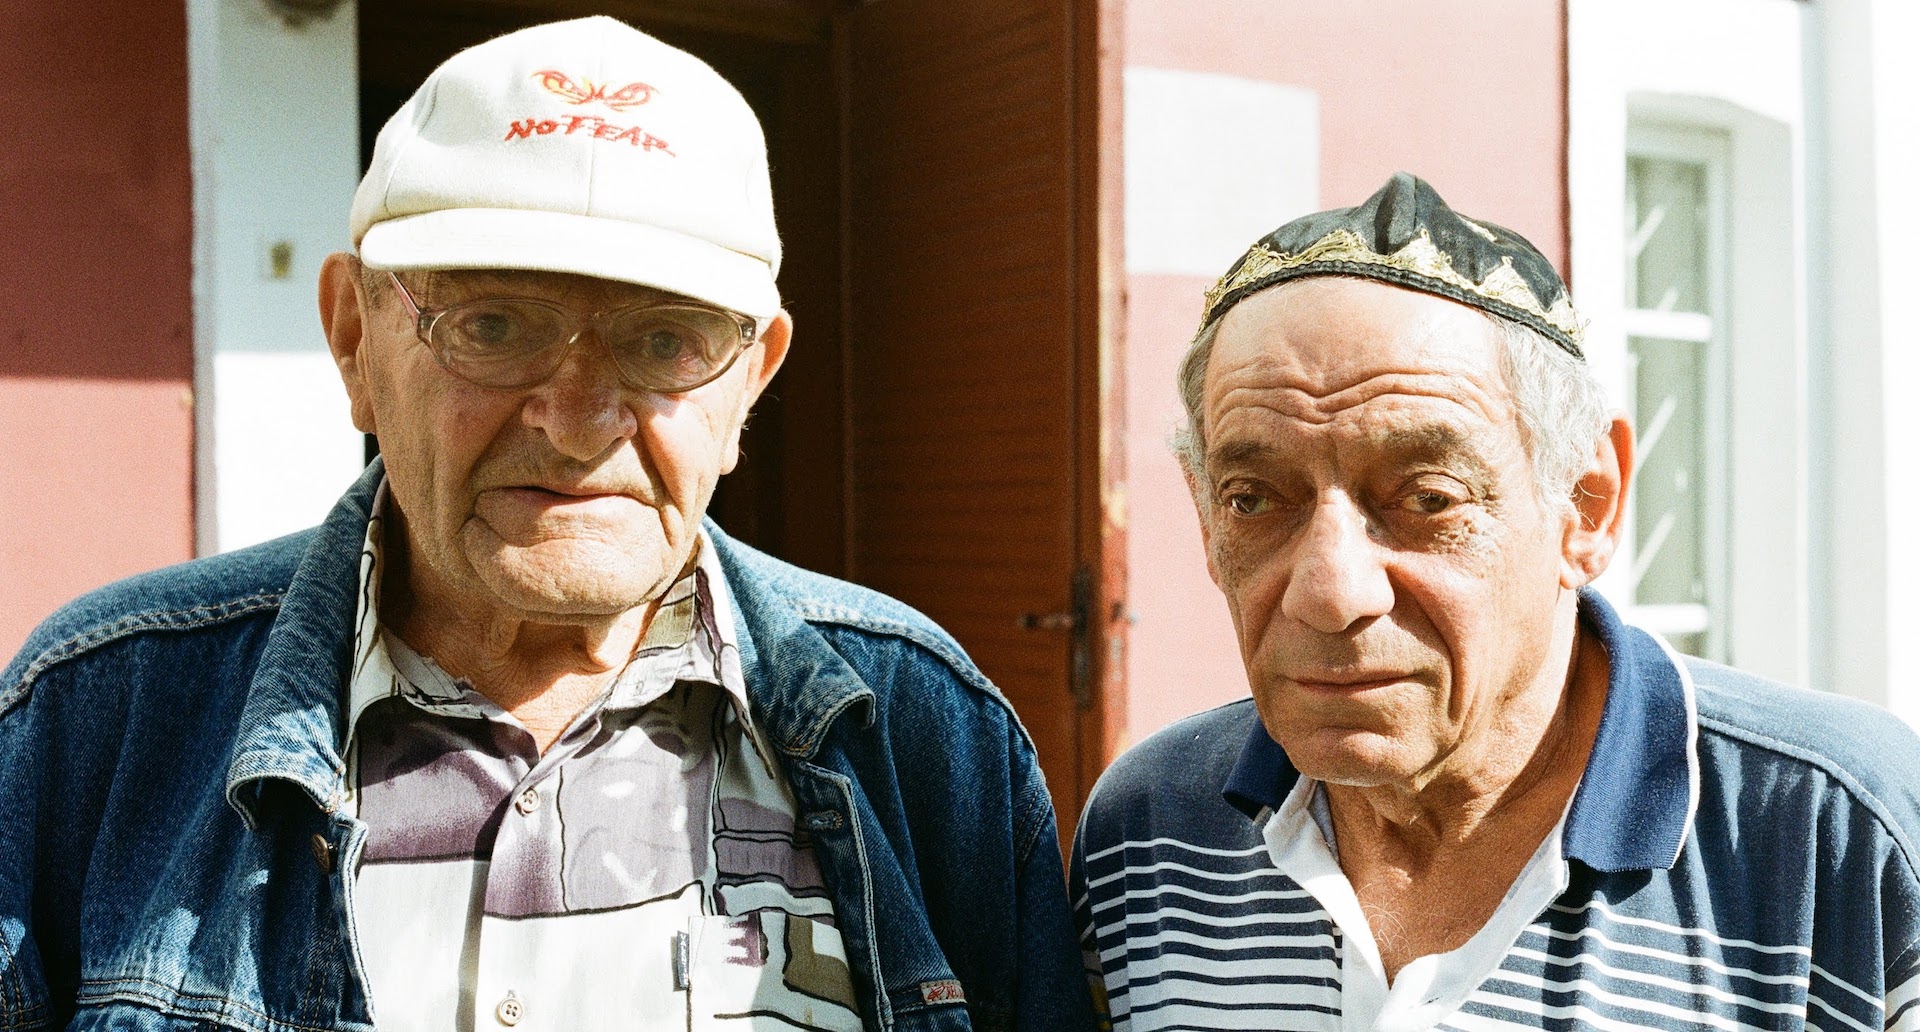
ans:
(1364, 358)
(1328, 334)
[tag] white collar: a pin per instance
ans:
(1431, 988)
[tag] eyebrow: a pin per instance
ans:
(1427, 437)
(1434, 441)
(1234, 452)
(1428, 440)
(435, 288)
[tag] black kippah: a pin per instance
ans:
(1406, 235)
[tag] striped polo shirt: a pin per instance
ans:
(1739, 855)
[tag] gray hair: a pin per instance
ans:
(1561, 408)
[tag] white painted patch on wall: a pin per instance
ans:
(283, 443)
(1213, 162)
(276, 150)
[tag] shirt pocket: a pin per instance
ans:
(766, 969)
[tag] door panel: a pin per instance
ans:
(964, 401)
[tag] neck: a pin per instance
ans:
(544, 669)
(1508, 787)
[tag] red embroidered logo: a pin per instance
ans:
(594, 126)
(633, 94)
(946, 990)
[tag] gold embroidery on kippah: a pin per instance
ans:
(1505, 284)
(1419, 257)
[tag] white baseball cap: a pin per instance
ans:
(582, 146)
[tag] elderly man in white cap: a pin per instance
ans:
(515, 739)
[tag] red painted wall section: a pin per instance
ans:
(1470, 97)
(96, 303)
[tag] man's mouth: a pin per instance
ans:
(1348, 683)
(546, 496)
(568, 492)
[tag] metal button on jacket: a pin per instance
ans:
(322, 852)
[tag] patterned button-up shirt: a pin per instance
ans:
(645, 872)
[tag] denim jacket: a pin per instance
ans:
(174, 853)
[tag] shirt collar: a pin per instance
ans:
(1262, 777)
(691, 637)
(714, 616)
(1635, 804)
(1636, 801)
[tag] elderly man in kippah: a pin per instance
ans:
(515, 739)
(1465, 794)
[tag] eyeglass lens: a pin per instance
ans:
(516, 343)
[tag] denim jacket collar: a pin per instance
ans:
(291, 725)
(798, 683)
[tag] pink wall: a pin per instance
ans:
(95, 484)
(1181, 649)
(1471, 97)
(96, 304)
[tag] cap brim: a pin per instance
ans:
(547, 241)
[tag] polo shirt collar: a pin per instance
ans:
(1635, 804)
(1263, 777)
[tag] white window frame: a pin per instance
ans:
(1732, 67)
(1708, 148)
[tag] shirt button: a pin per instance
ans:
(510, 1010)
(528, 802)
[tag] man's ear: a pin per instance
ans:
(762, 359)
(344, 319)
(1599, 507)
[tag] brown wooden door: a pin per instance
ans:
(972, 372)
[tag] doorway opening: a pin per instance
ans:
(936, 430)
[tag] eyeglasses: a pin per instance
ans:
(667, 347)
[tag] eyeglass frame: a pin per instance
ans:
(424, 319)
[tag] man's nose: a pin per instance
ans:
(1338, 575)
(584, 407)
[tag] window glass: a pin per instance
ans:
(1666, 235)
(1669, 497)
(1672, 347)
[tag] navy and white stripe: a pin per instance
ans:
(1740, 855)
(1165, 918)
